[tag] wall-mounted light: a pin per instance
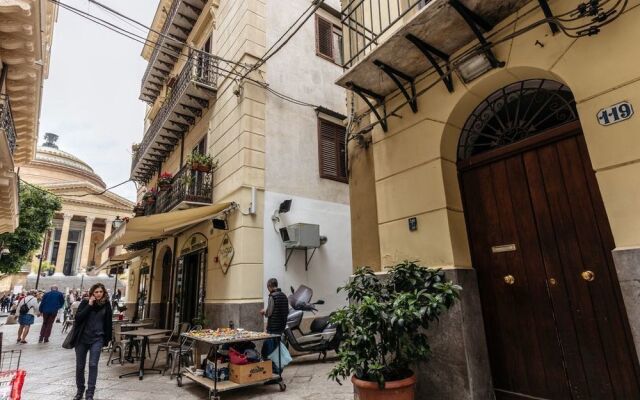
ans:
(473, 66)
(117, 223)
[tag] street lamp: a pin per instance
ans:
(117, 223)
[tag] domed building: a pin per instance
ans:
(88, 214)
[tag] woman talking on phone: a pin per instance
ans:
(92, 330)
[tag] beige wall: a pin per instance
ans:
(414, 162)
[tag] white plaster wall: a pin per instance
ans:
(291, 142)
(330, 267)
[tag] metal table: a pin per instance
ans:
(144, 333)
(215, 387)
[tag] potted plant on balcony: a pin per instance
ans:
(138, 210)
(165, 181)
(383, 328)
(201, 162)
(150, 196)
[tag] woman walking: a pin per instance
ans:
(28, 311)
(92, 330)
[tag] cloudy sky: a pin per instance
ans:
(91, 96)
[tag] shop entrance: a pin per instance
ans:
(191, 281)
(540, 242)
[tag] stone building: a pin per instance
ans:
(87, 214)
(498, 140)
(26, 34)
(266, 147)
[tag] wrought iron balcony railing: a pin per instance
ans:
(365, 21)
(187, 187)
(6, 122)
(189, 96)
(180, 19)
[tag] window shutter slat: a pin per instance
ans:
(332, 151)
(324, 39)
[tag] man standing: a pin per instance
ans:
(276, 313)
(51, 303)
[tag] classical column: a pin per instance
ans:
(62, 246)
(86, 242)
(107, 233)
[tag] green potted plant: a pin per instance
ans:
(165, 181)
(201, 162)
(138, 210)
(384, 328)
(150, 196)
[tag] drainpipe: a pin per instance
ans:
(153, 264)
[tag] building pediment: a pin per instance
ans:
(90, 195)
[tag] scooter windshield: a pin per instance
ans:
(301, 297)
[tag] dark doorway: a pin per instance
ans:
(67, 267)
(190, 290)
(165, 294)
(541, 244)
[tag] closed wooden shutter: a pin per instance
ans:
(324, 37)
(332, 151)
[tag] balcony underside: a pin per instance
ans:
(176, 121)
(440, 26)
(178, 25)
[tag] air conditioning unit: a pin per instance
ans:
(301, 236)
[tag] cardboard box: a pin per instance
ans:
(250, 372)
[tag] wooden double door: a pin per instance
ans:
(555, 322)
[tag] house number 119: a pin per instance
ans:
(616, 113)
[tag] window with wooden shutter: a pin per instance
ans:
(331, 150)
(324, 38)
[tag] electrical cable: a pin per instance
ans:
(73, 195)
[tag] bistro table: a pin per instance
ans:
(144, 333)
(131, 326)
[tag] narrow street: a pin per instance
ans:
(51, 375)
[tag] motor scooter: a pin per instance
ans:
(322, 337)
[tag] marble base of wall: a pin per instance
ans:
(459, 364)
(627, 262)
(243, 315)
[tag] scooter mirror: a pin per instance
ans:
(319, 302)
(292, 289)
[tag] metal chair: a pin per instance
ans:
(172, 342)
(122, 345)
(181, 355)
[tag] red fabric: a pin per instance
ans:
(237, 358)
(16, 385)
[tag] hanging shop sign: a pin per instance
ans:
(225, 253)
(196, 242)
(615, 113)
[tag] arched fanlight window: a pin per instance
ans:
(514, 113)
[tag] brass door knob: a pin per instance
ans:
(553, 281)
(588, 276)
(509, 279)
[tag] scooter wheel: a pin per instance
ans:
(283, 387)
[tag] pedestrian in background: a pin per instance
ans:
(27, 309)
(51, 302)
(92, 331)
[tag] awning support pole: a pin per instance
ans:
(431, 53)
(544, 5)
(394, 74)
(477, 25)
(365, 94)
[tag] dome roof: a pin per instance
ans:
(50, 154)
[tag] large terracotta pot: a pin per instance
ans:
(393, 390)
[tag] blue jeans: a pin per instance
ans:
(94, 350)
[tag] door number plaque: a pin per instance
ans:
(503, 248)
(615, 113)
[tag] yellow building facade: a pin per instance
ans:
(535, 215)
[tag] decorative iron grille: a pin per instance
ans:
(201, 68)
(514, 113)
(187, 186)
(364, 21)
(6, 122)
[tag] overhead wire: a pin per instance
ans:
(74, 195)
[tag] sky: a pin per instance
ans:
(91, 96)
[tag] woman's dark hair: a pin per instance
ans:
(105, 295)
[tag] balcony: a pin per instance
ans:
(6, 122)
(388, 43)
(180, 20)
(190, 95)
(188, 189)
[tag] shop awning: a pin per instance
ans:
(160, 226)
(122, 258)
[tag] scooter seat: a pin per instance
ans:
(318, 324)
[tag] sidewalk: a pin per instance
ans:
(51, 375)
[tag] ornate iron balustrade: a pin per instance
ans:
(364, 21)
(186, 186)
(6, 122)
(201, 69)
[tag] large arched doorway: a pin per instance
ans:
(540, 242)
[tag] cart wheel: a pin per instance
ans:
(179, 380)
(283, 386)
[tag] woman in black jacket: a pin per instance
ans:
(92, 331)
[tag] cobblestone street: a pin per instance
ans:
(51, 375)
